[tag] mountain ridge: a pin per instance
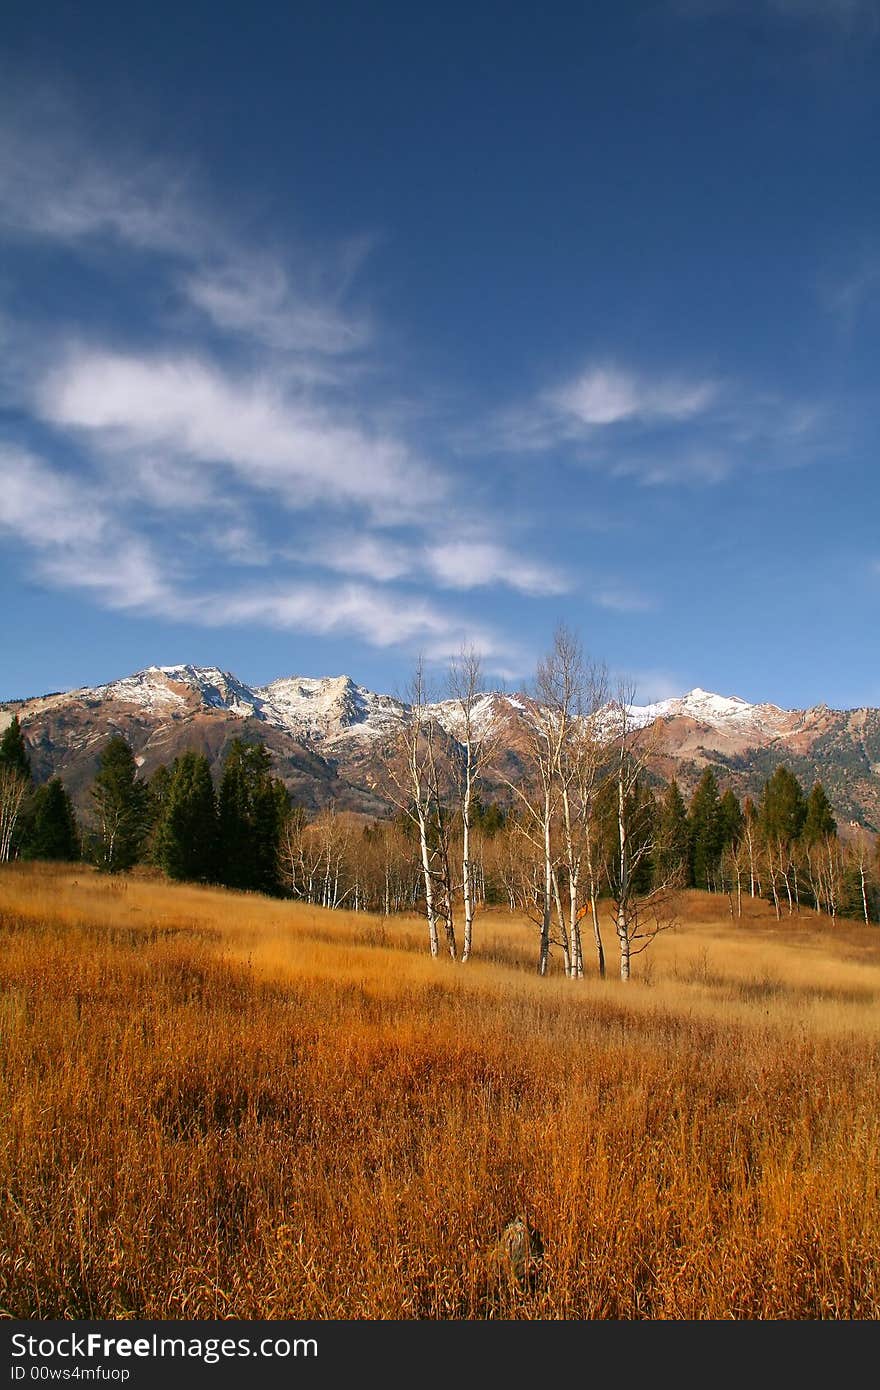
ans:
(327, 735)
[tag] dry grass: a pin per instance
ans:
(214, 1105)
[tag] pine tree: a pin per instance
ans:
(13, 750)
(121, 804)
(819, 819)
(783, 808)
(705, 827)
(186, 837)
(672, 857)
(53, 832)
(731, 818)
(252, 808)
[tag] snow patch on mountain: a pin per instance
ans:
(718, 711)
(335, 711)
(146, 689)
(328, 708)
(218, 689)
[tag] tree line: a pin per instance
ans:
(176, 821)
(585, 826)
(583, 840)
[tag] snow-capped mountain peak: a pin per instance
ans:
(331, 737)
(333, 708)
(718, 711)
(320, 708)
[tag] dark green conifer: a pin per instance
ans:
(783, 808)
(13, 750)
(185, 842)
(819, 819)
(671, 855)
(251, 811)
(121, 807)
(53, 832)
(704, 822)
(731, 817)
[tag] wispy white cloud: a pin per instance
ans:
(55, 188)
(664, 466)
(43, 507)
(661, 430)
(607, 395)
(601, 403)
(78, 542)
(255, 297)
(123, 574)
(358, 553)
(375, 615)
(237, 543)
(247, 426)
(74, 538)
(199, 415)
(470, 564)
(620, 599)
(64, 185)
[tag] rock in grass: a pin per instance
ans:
(517, 1257)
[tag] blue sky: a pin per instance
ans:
(331, 334)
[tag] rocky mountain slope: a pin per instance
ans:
(329, 737)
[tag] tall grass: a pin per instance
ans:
(217, 1105)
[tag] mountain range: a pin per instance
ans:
(329, 737)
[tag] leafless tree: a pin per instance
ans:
(413, 782)
(565, 757)
(478, 734)
(537, 793)
(580, 695)
(318, 861)
(861, 859)
(638, 918)
(13, 789)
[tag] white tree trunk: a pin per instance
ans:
(428, 877)
(466, 866)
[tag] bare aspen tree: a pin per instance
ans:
(316, 857)
(13, 789)
(331, 836)
(750, 835)
(564, 754)
(477, 733)
(412, 783)
(772, 867)
(537, 797)
(638, 918)
(813, 862)
(861, 858)
(559, 688)
(737, 858)
(506, 864)
(574, 690)
(831, 867)
(296, 874)
(582, 768)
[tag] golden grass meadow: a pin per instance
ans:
(216, 1105)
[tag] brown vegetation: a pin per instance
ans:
(215, 1104)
